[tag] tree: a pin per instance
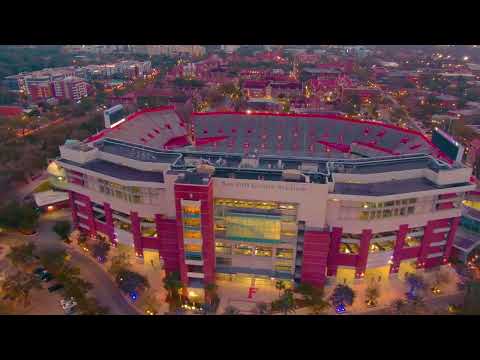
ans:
(129, 281)
(372, 293)
(416, 282)
(312, 297)
(22, 255)
(119, 263)
(149, 303)
(19, 217)
(472, 298)
(280, 285)
(90, 306)
(100, 249)
(231, 310)
(17, 287)
(62, 229)
(54, 261)
(212, 296)
(441, 278)
(173, 285)
(286, 302)
(342, 294)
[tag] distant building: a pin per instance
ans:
(175, 50)
(256, 88)
(10, 111)
(70, 88)
(229, 48)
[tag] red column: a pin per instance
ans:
(137, 235)
(208, 247)
(71, 198)
(400, 241)
(427, 239)
(91, 218)
(204, 194)
(451, 237)
(363, 253)
(335, 238)
(109, 220)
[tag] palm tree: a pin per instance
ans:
(372, 293)
(286, 302)
(280, 285)
(212, 296)
(231, 310)
(312, 297)
(472, 298)
(173, 285)
(17, 287)
(342, 294)
(22, 255)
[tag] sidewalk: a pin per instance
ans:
(154, 276)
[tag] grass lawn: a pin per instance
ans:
(45, 186)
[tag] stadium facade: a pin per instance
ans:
(236, 196)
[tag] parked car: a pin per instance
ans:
(68, 305)
(39, 270)
(55, 287)
(47, 277)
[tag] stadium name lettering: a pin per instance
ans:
(250, 186)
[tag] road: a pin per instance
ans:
(105, 291)
(30, 132)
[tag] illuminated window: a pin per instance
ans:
(221, 248)
(192, 234)
(284, 253)
(193, 247)
(263, 251)
(284, 266)
(347, 248)
(413, 241)
(243, 249)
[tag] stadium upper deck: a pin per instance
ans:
(314, 144)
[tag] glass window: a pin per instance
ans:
(284, 266)
(389, 203)
(224, 261)
(346, 248)
(263, 251)
(221, 248)
(191, 221)
(411, 210)
(412, 201)
(192, 234)
(364, 215)
(193, 247)
(252, 227)
(243, 249)
(284, 253)
(411, 241)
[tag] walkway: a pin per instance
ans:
(105, 291)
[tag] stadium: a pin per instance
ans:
(251, 198)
